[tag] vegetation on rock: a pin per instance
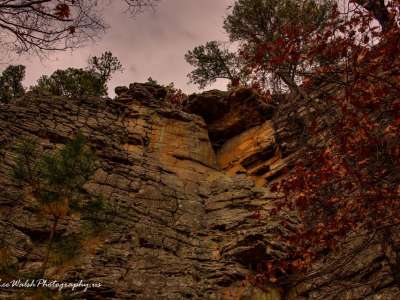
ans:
(347, 182)
(72, 83)
(11, 83)
(213, 62)
(53, 182)
(256, 25)
(338, 70)
(105, 65)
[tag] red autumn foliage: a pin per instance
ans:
(350, 183)
(62, 11)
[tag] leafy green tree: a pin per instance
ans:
(212, 61)
(255, 21)
(78, 83)
(255, 25)
(105, 65)
(11, 83)
(263, 27)
(73, 83)
(55, 182)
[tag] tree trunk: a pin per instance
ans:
(49, 244)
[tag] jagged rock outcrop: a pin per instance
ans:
(191, 199)
(364, 268)
(182, 228)
(229, 114)
(255, 153)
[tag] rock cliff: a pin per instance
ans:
(190, 196)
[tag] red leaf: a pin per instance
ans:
(62, 11)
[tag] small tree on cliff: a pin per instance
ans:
(212, 61)
(11, 83)
(54, 181)
(105, 65)
(73, 83)
(77, 83)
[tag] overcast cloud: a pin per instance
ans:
(151, 44)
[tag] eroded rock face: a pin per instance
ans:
(229, 114)
(182, 228)
(189, 222)
(256, 153)
(364, 268)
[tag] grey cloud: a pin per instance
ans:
(132, 69)
(151, 44)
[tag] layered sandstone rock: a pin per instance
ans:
(364, 268)
(182, 229)
(255, 153)
(229, 114)
(190, 192)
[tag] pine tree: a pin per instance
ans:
(11, 83)
(54, 181)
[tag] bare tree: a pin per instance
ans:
(37, 26)
(138, 6)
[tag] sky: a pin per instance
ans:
(151, 44)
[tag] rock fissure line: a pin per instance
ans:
(184, 187)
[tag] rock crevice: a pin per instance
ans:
(193, 211)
